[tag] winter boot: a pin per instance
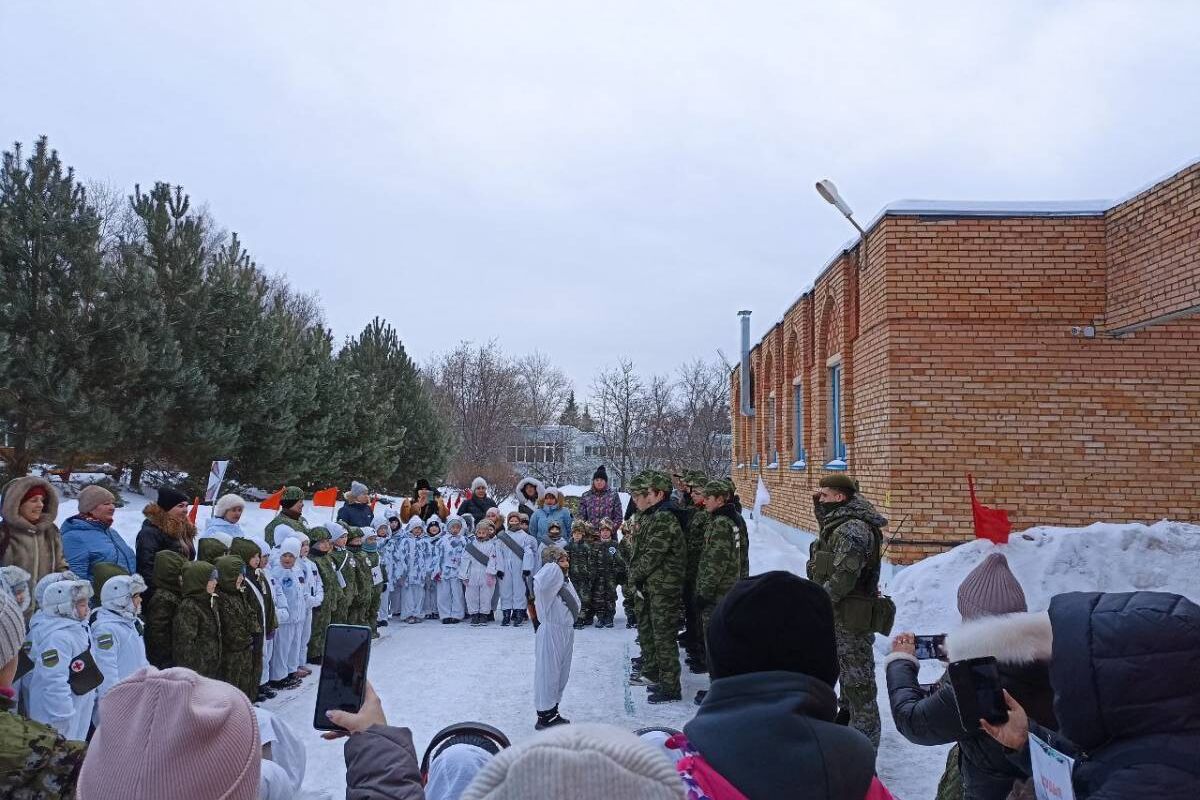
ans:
(638, 679)
(491, 616)
(507, 619)
(636, 662)
(448, 620)
(599, 622)
(266, 689)
(631, 620)
(474, 620)
(548, 719)
(382, 623)
(519, 618)
(579, 624)
(659, 695)
(700, 695)
(608, 621)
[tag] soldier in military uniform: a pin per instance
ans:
(364, 586)
(373, 567)
(241, 624)
(197, 626)
(35, 759)
(161, 607)
(628, 593)
(345, 569)
(657, 572)
(845, 559)
(319, 554)
(608, 570)
(720, 565)
(697, 526)
(580, 552)
(291, 504)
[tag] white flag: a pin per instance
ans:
(761, 498)
(215, 476)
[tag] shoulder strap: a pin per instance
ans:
(569, 599)
(511, 544)
(476, 553)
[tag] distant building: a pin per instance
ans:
(1051, 349)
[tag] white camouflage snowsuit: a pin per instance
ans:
(555, 638)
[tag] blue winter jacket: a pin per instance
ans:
(358, 515)
(86, 542)
(539, 523)
(1126, 676)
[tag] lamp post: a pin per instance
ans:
(827, 190)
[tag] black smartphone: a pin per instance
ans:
(930, 647)
(977, 691)
(343, 683)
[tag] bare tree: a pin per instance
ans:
(703, 397)
(619, 398)
(661, 424)
(544, 389)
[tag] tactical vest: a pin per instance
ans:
(863, 610)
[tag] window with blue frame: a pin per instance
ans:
(772, 450)
(801, 457)
(837, 447)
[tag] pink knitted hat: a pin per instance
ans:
(990, 590)
(172, 733)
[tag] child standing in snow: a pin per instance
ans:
(413, 555)
(518, 552)
(378, 573)
(608, 570)
(478, 573)
(449, 585)
(15, 581)
(383, 545)
(580, 551)
(287, 637)
(61, 686)
(262, 600)
(197, 628)
(241, 626)
(392, 556)
(558, 607)
(433, 558)
(161, 608)
(117, 642)
(312, 593)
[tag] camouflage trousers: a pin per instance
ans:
(584, 588)
(657, 629)
(856, 686)
(320, 620)
(372, 612)
(604, 598)
(629, 601)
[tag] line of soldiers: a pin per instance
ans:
(685, 552)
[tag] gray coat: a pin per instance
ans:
(768, 733)
(381, 764)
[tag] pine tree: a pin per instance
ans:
(50, 273)
(570, 414)
(586, 423)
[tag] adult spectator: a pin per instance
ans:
(478, 503)
(291, 516)
(553, 510)
(88, 538)
(600, 502)
(992, 605)
(582, 762)
(356, 512)
(226, 518)
(767, 724)
(845, 559)
(424, 503)
(166, 528)
(1125, 669)
(35, 760)
(529, 493)
(29, 538)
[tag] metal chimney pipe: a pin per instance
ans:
(746, 409)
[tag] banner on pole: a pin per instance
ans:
(273, 501)
(326, 498)
(990, 523)
(216, 475)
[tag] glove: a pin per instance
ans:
(525, 573)
(500, 574)
(437, 577)
(491, 581)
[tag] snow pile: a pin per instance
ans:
(1104, 557)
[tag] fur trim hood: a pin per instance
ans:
(1015, 639)
(10, 508)
(530, 481)
(178, 529)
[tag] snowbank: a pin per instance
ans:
(1104, 557)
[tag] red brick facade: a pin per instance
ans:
(957, 354)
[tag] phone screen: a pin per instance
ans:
(343, 682)
(930, 647)
(977, 691)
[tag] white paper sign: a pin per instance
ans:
(1051, 771)
(376, 575)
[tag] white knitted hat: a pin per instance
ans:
(582, 762)
(228, 503)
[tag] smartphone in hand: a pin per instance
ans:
(930, 647)
(343, 682)
(976, 683)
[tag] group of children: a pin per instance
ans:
(461, 569)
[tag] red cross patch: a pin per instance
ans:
(77, 665)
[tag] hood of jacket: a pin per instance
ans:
(181, 530)
(1125, 665)
(1014, 639)
(168, 570)
(857, 507)
(195, 578)
(769, 732)
(220, 525)
(210, 549)
(229, 569)
(10, 506)
(534, 482)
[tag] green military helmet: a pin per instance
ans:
(101, 572)
(196, 576)
(229, 569)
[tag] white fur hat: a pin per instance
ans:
(477, 483)
(117, 594)
(59, 598)
(227, 503)
(46, 581)
(336, 530)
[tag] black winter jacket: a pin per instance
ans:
(357, 515)
(1126, 678)
(769, 733)
(476, 507)
(1021, 645)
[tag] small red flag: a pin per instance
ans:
(990, 523)
(194, 511)
(273, 502)
(326, 498)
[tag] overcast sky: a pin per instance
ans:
(592, 179)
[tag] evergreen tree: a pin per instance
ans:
(50, 274)
(586, 423)
(570, 414)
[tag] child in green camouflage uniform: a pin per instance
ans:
(240, 626)
(373, 566)
(197, 629)
(159, 617)
(625, 550)
(319, 554)
(608, 570)
(580, 552)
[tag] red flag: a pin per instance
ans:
(194, 511)
(990, 523)
(374, 500)
(272, 503)
(326, 498)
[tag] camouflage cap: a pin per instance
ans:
(318, 534)
(718, 488)
(638, 483)
(694, 478)
(658, 480)
(291, 495)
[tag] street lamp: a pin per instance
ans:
(826, 189)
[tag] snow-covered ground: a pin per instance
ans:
(430, 675)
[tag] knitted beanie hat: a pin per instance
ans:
(228, 502)
(202, 741)
(990, 590)
(584, 762)
(92, 496)
(168, 498)
(12, 628)
(358, 489)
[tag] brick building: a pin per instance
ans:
(1052, 349)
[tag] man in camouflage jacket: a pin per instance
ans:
(291, 504)
(720, 566)
(319, 553)
(657, 572)
(693, 639)
(845, 559)
(628, 593)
